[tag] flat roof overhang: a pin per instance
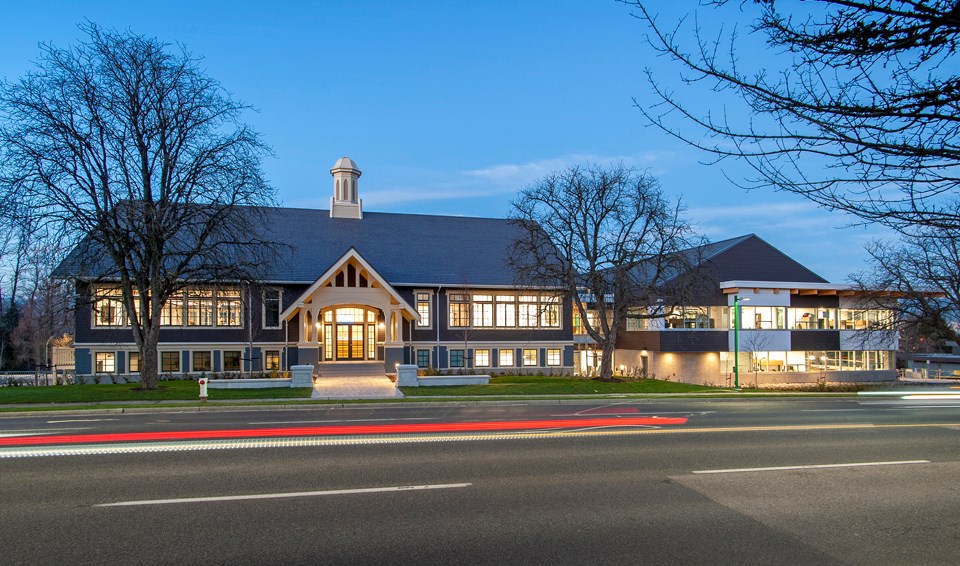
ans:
(807, 288)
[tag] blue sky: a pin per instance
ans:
(447, 107)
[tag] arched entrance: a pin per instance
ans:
(351, 333)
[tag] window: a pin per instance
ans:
(201, 361)
(456, 358)
(481, 358)
(172, 312)
(351, 316)
(108, 308)
(482, 311)
(271, 360)
(229, 308)
(271, 308)
(550, 312)
(371, 340)
(328, 341)
(231, 360)
(106, 362)
(634, 323)
(528, 310)
(423, 308)
(506, 358)
(199, 307)
(553, 357)
(133, 362)
(459, 311)
(859, 319)
(529, 357)
(170, 361)
(506, 311)
(423, 359)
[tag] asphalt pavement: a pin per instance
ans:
(803, 481)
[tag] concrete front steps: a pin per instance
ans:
(351, 369)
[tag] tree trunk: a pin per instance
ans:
(148, 360)
(606, 361)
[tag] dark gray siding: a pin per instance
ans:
(815, 340)
(694, 341)
(639, 340)
(814, 301)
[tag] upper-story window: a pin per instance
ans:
(459, 310)
(506, 311)
(172, 312)
(865, 319)
(634, 320)
(528, 306)
(199, 307)
(108, 308)
(755, 317)
(204, 307)
(550, 312)
(424, 299)
(481, 310)
(229, 308)
(271, 308)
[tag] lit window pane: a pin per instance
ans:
(481, 358)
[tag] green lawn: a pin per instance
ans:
(534, 385)
(186, 390)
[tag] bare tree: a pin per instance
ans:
(128, 150)
(45, 316)
(24, 256)
(607, 239)
(863, 115)
(922, 273)
(754, 343)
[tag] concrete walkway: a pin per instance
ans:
(355, 387)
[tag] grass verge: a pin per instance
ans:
(186, 390)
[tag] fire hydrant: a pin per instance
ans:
(203, 390)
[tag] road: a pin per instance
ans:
(693, 492)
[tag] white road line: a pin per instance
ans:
(829, 410)
(284, 495)
(922, 407)
(639, 414)
(342, 421)
(811, 467)
(36, 431)
(81, 421)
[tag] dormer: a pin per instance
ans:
(346, 202)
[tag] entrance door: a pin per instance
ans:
(349, 341)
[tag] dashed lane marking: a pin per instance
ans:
(284, 495)
(811, 467)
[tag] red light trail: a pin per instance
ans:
(347, 430)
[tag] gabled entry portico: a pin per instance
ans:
(350, 314)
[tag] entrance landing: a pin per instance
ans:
(355, 387)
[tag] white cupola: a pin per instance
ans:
(346, 202)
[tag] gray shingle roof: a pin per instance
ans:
(403, 248)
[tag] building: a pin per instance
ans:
(377, 289)
(355, 287)
(795, 327)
